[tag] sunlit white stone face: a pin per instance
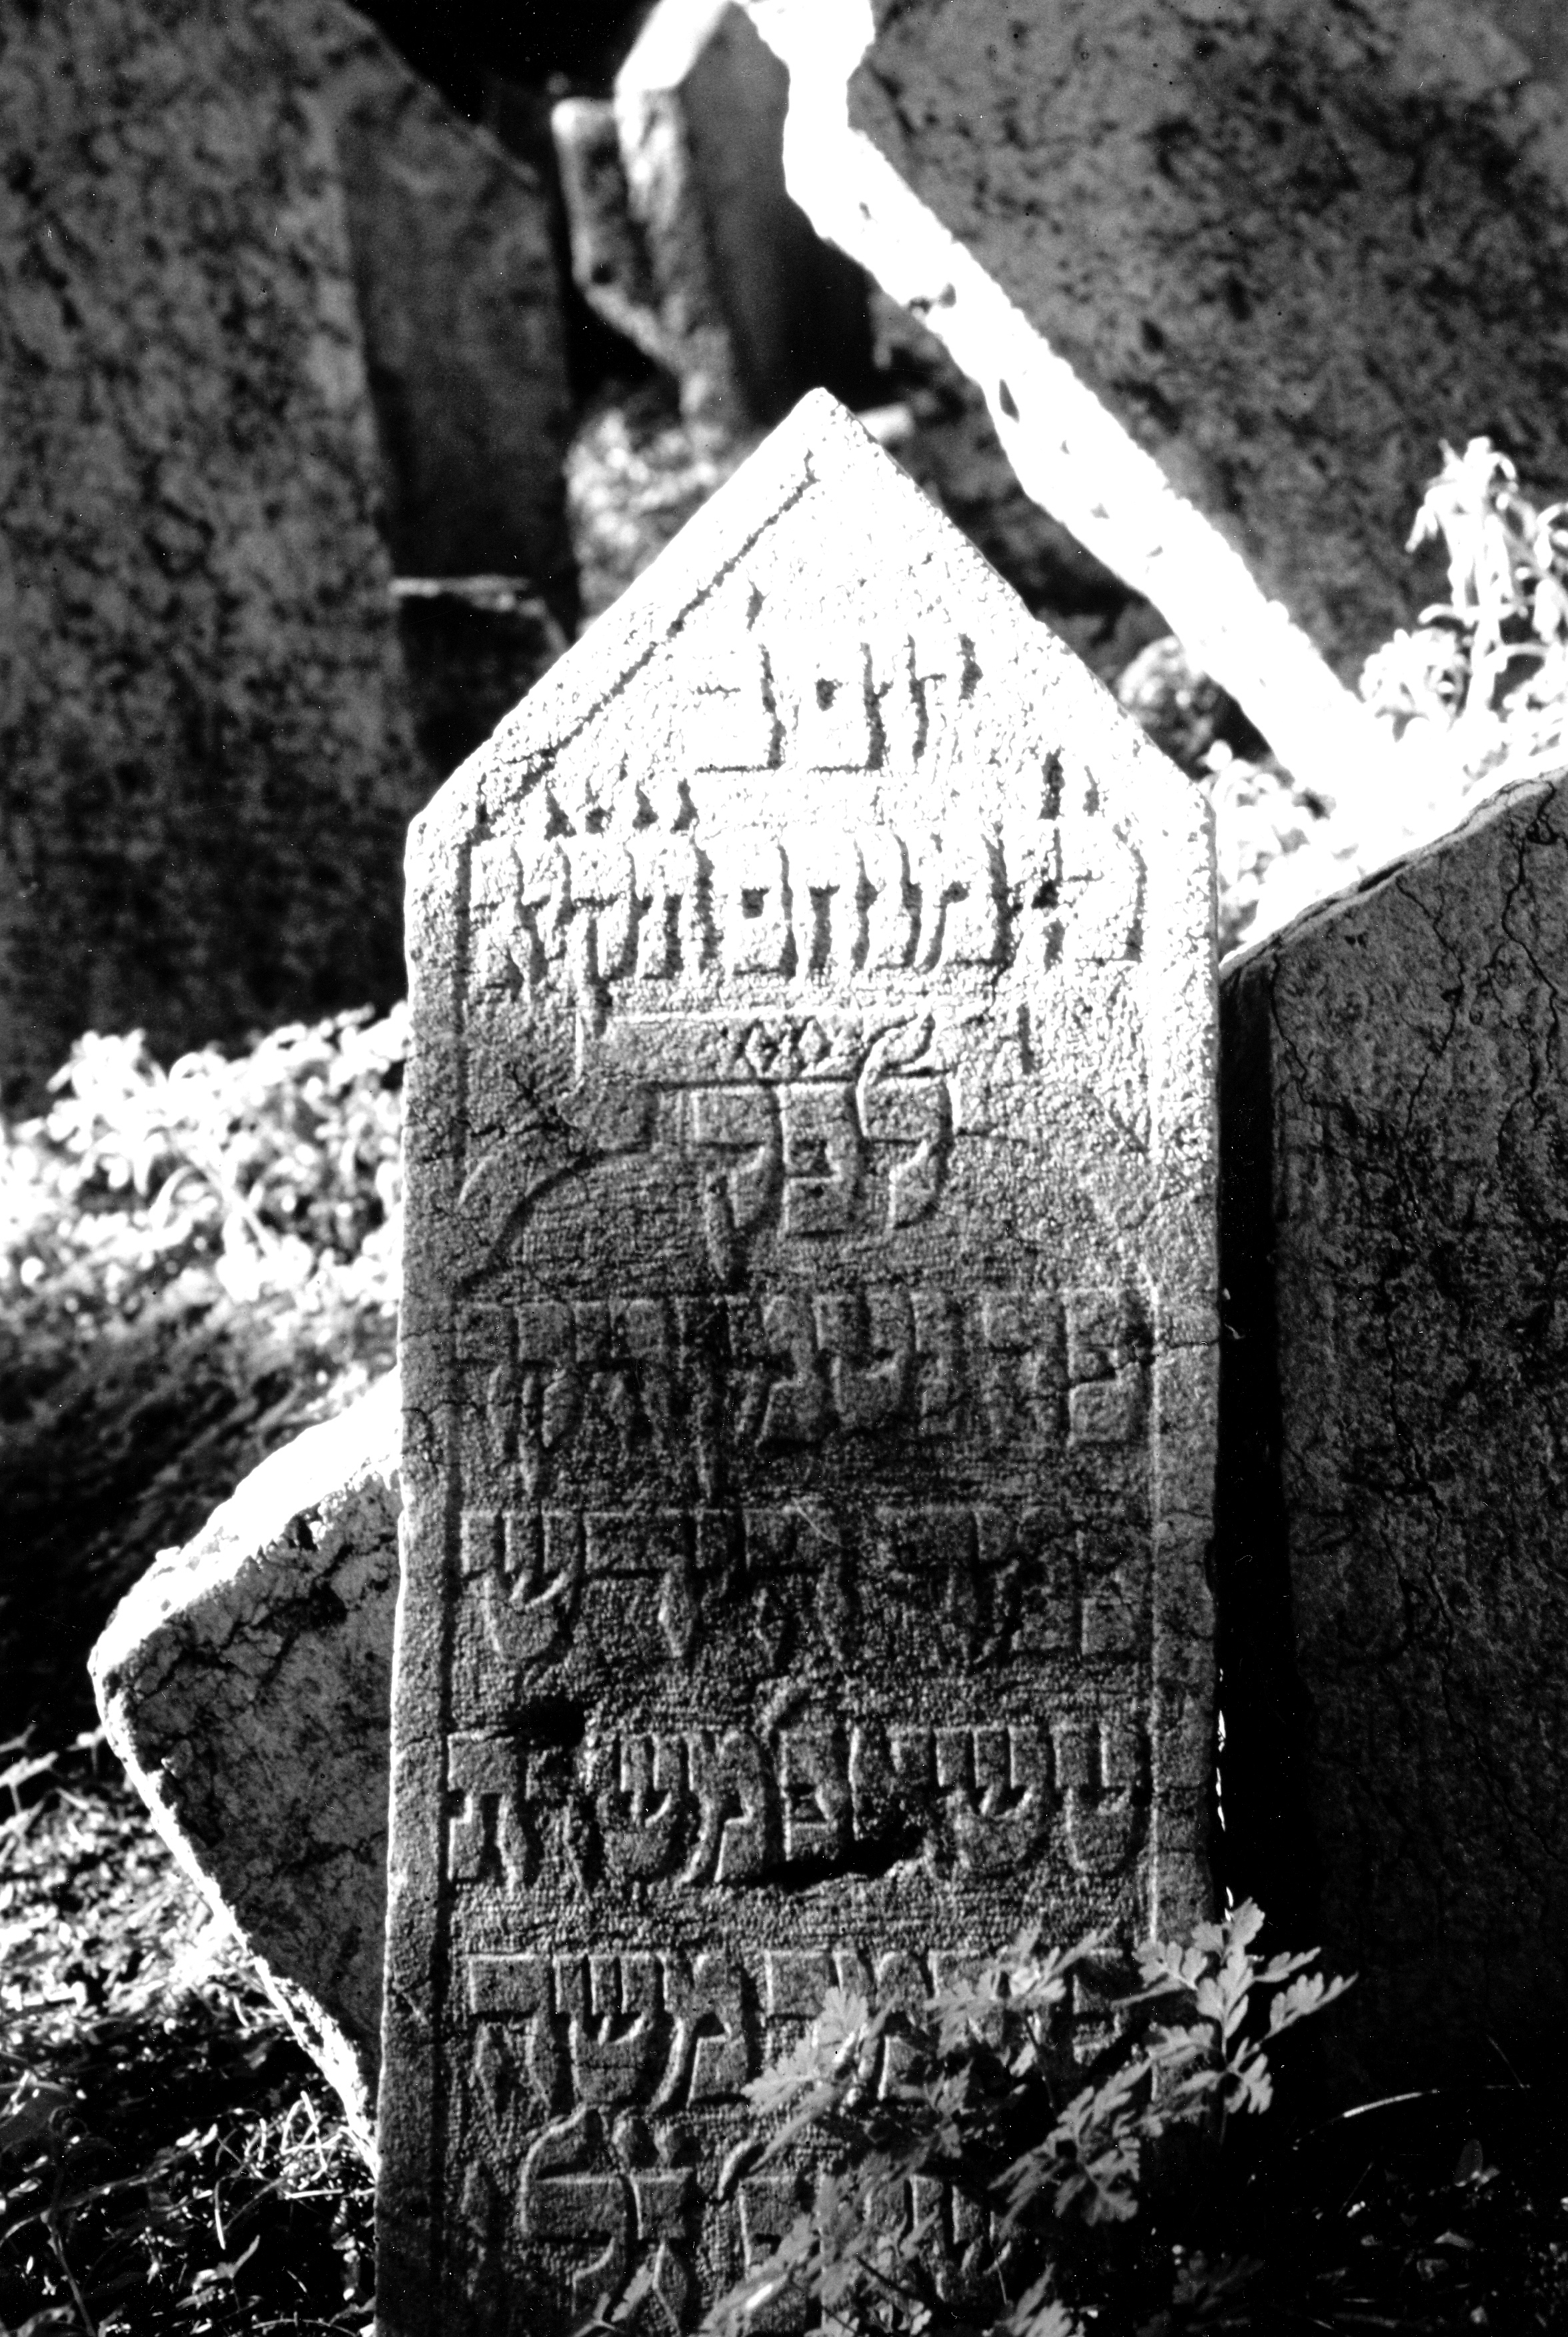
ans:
(808, 1330)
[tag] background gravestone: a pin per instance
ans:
(207, 765)
(808, 1351)
(451, 240)
(1395, 1414)
(1292, 249)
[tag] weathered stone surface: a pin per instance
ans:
(246, 1683)
(1071, 452)
(473, 646)
(1394, 1220)
(795, 306)
(1539, 28)
(684, 236)
(1292, 250)
(207, 765)
(955, 454)
(455, 276)
(808, 1333)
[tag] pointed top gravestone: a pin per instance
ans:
(808, 1345)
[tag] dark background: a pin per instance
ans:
(464, 47)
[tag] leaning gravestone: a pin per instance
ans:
(1394, 1477)
(1291, 249)
(809, 1352)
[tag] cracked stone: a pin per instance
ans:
(1292, 249)
(245, 1684)
(809, 1342)
(1394, 1464)
(202, 714)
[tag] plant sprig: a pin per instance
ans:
(971, 2113)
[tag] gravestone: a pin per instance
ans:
(1393, 1480)
(202, 714)
(684, 236)
(1292, 249)
(809, 1346)
(245, 1683)
(456, 281)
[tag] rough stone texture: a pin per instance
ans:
(246, 1683)
(809, 1341)
(1540, 28)
(953, 452)
(473, 646)
(1292, 250)
(796, 307)
(455, 275)
(1394, 1223)
(203, 730)
(684, 236)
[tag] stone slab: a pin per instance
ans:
(1395, 1417)
(795, 306)
(684, 238)
(457, 285)
(202, 722)
(245, 1682)
(1290, 249)
(808, 1345)
(1074, 453)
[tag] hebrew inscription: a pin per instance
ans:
(808, 1338)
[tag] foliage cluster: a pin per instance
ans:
(1490, 664)
(971, 2117)
(275, 1171)
(195, 1264)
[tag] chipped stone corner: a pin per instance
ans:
(244, 1682)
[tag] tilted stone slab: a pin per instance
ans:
(1205, 264)
(1292, 250)
(809, 1341)
(201, 709)
(1396, 1206)
(245, 1682)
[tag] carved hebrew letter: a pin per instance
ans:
(891, 910)
(712, 2055)
(814, 1790)
(907, 1111)
(739, 1140)
(730, 1780)
(517, 1988)
(487, 1830)
(796, 1409)
(639, 1787)
(1104, 1369)
(752, 901)
(1024, 1366)
(616, 2036)
(869, 1339)
(731, 722)
(672, 925)
(524, 1567)
(1100, 1772)
(994, 1788)
(822, 1158)
(963, 898)
(556, 2201)
(770, 2205)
